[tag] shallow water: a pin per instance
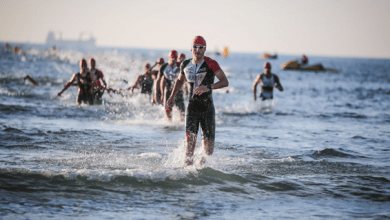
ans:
(318, 151)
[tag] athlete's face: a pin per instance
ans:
(92, 64)
(172, 60)
(197, 52)
(83, 68)
(267, 71)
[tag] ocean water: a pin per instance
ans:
(320, 150)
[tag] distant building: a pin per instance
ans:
(59, 42)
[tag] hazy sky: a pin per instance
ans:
(314, 27)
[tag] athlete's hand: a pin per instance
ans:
(170, 103)
(201, 89)
(59, 94)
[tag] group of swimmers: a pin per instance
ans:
(196, 75)
(90, 83)
(153, 83)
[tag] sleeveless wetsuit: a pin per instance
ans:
(146, 85)
(267, 86)
(170, 75)
(200, 110)
(98, 90)
(85, 93)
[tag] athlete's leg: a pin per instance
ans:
(190, 148)
(168, 113)
(192, 127)
(208, 146)
(208, 130)
(179, 101)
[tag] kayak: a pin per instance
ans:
(295, 65)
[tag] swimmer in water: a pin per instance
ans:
(268, 82)
(169, 72)
(145, 81)
(98, 90)
(85, 81)
(200, 72)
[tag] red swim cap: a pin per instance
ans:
(83, 62)
(199, 40)
(182, 55)
(267, 65)
(160, 60)
(92, 60)
(173, 54)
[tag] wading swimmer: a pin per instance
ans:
(169, 72)
(85, 81)
(267, 81)
(180, 59)
(156, 87)
(200, 72)
(145, 81)
(98, 90)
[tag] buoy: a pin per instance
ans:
(225, 51)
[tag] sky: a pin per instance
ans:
(342, 28)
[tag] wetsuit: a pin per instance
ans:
(267, 86)
(98, 90)
(85, 93)
(200, 110)
(170, 75)
(146, 85)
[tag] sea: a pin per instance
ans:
(319, 150)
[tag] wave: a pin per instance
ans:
(182, 178)
(330, 152)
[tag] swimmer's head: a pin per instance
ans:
(173, 54)
(199, 40)
(182, 56)
(147, 66)
(267, 65)
(83, 64)
(160, 61)
(92, 62)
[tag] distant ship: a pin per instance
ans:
(59, 42)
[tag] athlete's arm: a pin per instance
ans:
(104, 81)
(223, 82)
(176, 89)
(162, 88)
(68, 84)
(136, 83)
(278, 84)
(257, 81)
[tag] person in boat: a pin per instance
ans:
(145, 81)
(268, 82)
(169, 72)
(304, 60)
(85, 81)
(199, 72)
(99, 89)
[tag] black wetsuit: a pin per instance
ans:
(85, 92)
(146, 85)
(170, 75)
(99, 90)
(200, 110)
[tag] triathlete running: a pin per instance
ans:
(200, 72)
(268, 82)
